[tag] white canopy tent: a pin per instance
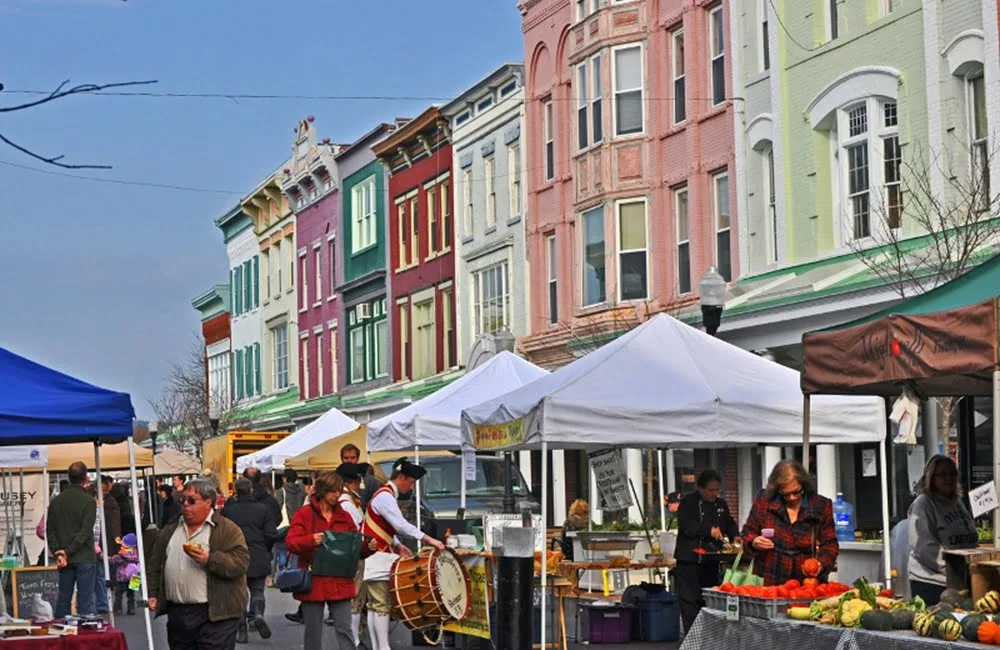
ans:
(271, 459)
(666, 384)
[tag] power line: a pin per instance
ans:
(781, 24)
(119, 181)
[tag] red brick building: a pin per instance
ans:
(421, 262)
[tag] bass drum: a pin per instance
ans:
(430, 589)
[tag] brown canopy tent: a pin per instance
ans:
(942, 343)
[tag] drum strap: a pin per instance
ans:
(373, 526)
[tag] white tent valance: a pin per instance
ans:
(667, 384)
(329, 425)
(435, 421)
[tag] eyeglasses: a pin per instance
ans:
(191, 500)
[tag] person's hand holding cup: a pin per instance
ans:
(764, 541)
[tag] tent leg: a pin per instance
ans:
(140, 548)
(545, 525)
(45, 509)
(805, 432)
(416, 490)
(104, 529)
(996, 450)
(883, 472)
(463, 485)
(663, 494)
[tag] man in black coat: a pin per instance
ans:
(261, 495)
(260, 531)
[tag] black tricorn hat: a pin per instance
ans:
(406, 468)
(352, 471)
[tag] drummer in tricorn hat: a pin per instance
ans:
(384, 523)
(350, 501)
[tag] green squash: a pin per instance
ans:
(877, 621)
(989, 603)
(970, 626)
(966, 604)
(923, 624)
(949, 630)
(902, 619)
(951, 597)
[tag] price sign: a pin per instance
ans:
(983, 499)
(612, 482)
(732, 608)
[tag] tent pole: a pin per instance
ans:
(996, 451)
(805, 432)
(416, 489)
(883, 472)
(663, 506)
(463, 485)
(22, 548)
(140, 550)
(103, 541)
(545, 525)
(45, 510)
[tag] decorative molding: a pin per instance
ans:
(858, 84)
(966, 50)
(512, 134)
(487, 148)
(465, 160)
(760, 129)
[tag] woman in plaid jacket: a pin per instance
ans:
(803, 526)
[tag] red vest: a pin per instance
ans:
(376, 526)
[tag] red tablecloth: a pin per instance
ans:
(108, 639)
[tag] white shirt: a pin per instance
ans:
(347, 503)
(387, 506)
(186, 580)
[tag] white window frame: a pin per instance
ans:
(716, 17)
(552, 286)
(763, 36)
(677, 192)
(304, 351)
(885, 7)
(402, 238)
(414, 210)
(769, 202)
(467, 218)
(480, 301)
(596, 101)
(584, 298)
(979, 149)
(642, 88)
(304, 298)
(319, 364)
(290, 246)
(358, 370)
(433, 227)
(514, 178)
(381, 344)
(424, 362)
(582, 106)
(334, 362)
(831, 13)
(549, 155)
(490, 174)
(447, 327)
(332, 245)
(363, 217)
(279, 343)
(716, 216)
(622, 251)
(445, 213)
(265, 269)
(318, 261)
(677, 38)
(403, 311)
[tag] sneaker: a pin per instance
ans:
(241, 632)
(262, 627)
(294, 617)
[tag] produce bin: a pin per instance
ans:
(610, 623)
(714, 599)
(766, 608)
(659, 618)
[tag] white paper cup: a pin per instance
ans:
(767, 532)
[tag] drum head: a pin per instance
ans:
(453, 584)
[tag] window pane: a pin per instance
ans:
(718, 33)
(596, 117)
(678, 55)
(581, 127)
(381, 343)
(681, 210)
(357, 355)
(680, 100)
(628, 68)
(979, 126)
(629, 112)
(593, 253)
(632, 224)
(722, 202)
(725, 264)
(633, 270)
(718, 80)
(684, 268)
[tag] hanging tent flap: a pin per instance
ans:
(947, 353)
(24, 456)
(113, 457)
(39, 405)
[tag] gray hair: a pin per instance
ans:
(204, 488)
(243, 486)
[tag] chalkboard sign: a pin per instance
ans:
(29, 582)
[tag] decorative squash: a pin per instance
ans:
(876, 620)
(902, 619)
(950, 596)
(949, 630)
(923, 624)
(970, 626)
(987, 632)
(989, 603)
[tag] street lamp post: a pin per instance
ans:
(712, 287)
(504, 341)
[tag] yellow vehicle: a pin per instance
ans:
(219, 453)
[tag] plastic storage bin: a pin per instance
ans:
(659, 618)
(610, 623)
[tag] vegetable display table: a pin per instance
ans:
(712, 630)
(107, 639)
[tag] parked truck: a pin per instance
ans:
(219, 453)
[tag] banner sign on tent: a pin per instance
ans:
(498, 436)
(32, 498)
(23, 456)
(612, 482)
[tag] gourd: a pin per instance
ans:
(989, 603)
(923, 624)
(949, 630)
(970, 626)
(987, 632)
(877, 621)
(902, 619)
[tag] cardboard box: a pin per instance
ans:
(974, 569)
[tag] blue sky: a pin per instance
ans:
(96, 279)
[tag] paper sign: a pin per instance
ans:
(868, 465)
(493, 525)
(469, 460)
(612, 482)
(983, 499)
(732, 608)
(498, 436)
(477, 623)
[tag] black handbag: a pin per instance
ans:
(293, 581)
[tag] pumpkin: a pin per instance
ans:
(970, 626)
(949, 630)
(811, 567)
(986, 632)
(923, 624)
(902, 619)
(989, 603)
(876, 620)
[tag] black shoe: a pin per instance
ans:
(242, 632)
(262, 627)
(295, 617)
(131, 608)
(330, 621)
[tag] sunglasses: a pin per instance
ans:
(191, 500)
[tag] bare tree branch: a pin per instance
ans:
(60, 92)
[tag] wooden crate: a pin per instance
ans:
(975, 569)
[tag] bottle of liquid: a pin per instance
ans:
(843, 519)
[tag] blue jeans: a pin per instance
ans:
(80, 575)
(100, 589)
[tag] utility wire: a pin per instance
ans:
(781, 24)
(119, 181)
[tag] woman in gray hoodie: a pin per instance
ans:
(938, 521)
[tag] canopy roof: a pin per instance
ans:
(435, 422)
(326, 455)
(666, 384)
(331, 424)
(170, 461)
(113, 457)
(942, 343)
(39, 405)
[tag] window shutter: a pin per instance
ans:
(238, 290)
(247, 287)
(248, 369)
(232, 293)
(256, 354)
(239, 374)
(256, 281)
(232, 375)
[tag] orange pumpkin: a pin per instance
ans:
(987, 632)
(811, 567)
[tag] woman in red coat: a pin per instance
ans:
(305, 533)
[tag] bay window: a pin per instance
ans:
(628, 90)
(367, 338)
(593, 257)
(633, 275)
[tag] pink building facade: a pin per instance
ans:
(630, 173)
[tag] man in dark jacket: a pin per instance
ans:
(69, 527)
(170, 509)
(260, 494)
(259, 531)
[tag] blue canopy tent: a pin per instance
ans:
(39, 405)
